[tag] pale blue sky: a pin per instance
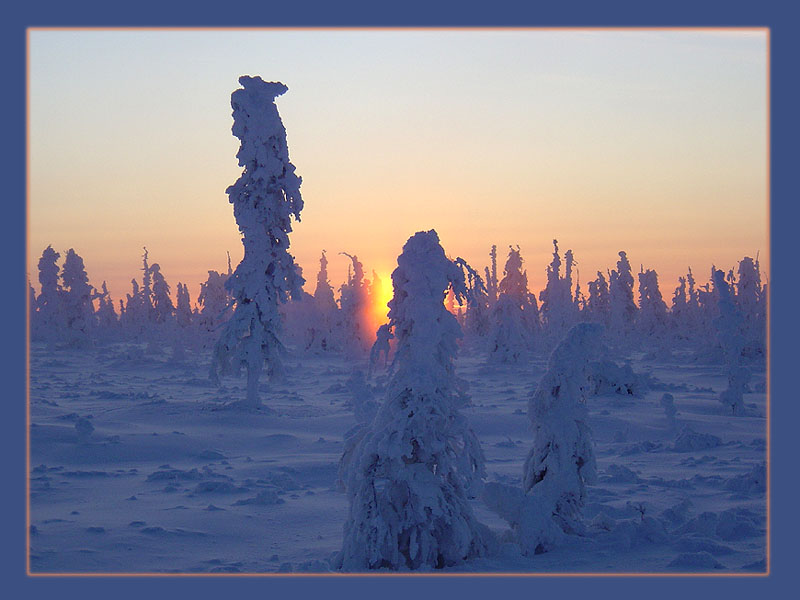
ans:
(651, 142)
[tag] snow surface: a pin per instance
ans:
(138, 464)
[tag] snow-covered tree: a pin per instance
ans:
(679, 312)
(106, 316)
(597, 305)
(514, 318)
(215, 303)
(476, 318)
(729, 326)
(48, 320)
(31, 301)
(163, 309)
(409, 477)
(355, 328)
(183, 308)
(146, 292)
(265, 198)
(562, 461)
(621, 305)
(491, 277)
(751, 302)
(77, 300)
(133, 318)
(557, 305)
(323, 293)
(651, 318)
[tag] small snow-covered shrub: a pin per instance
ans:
(606, 377)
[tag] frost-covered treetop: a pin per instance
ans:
(48, 269)
(267, 195)
(255, 116)
(515, 282)
(425, 330)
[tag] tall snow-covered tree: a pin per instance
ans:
(355, 329)
(515, 318)
(182, 324)
(621, 304)
(163, 309)
(409, 477)
(327, 311)
(476, 318)
(557, 305)
(265, 198)
(106, 316)
(146, 292)
(491, 277)
(323, 293)
(597, 305)
(651, 318)
(729, 325)
(48, 320)
(183, 308)
(215, 303)
(561, 461)
(751, 301)
(78, 310)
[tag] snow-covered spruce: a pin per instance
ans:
(557, 305)
(46, 322)
(476, 318)
(652, 316)
(215, 303)
(409, 478)
(77, 301)
(622, 308)
(729, 325)
(515, 316)
(354, 326)
(597, 305)
(326, 305)
(265, 199)
(751, 299)
(561, 461)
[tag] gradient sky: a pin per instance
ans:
(652, 142)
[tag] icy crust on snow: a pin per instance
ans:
(412, 470)
(265, 198)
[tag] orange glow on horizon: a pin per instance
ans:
(380, 292)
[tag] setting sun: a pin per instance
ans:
(380, 294)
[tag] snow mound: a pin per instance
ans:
(754, 481)
(689, 440)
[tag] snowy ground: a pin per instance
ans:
(174, 479)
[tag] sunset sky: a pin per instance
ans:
(652, 142)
